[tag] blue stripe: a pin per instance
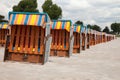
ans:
(54, 23)
(26, 19)
(75, 27)
(1, 25)
(13, 19)
(39, 20)
(63, 24)
(82, 29)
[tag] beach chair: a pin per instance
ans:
(62, 38)
(30, 37)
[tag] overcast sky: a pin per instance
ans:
(100, 12)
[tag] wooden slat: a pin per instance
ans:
(36, 39)
(13, 28)
(55, 40)
(74, 39)
(39, 41)
(62, 39)
(0, 36)
(22, 39)
(17, 38)
(58, 38)
(67, 40)
(32, 39)
(52, 39)
(27, 38)
(42, 41)
(78, 40)
(83, 39)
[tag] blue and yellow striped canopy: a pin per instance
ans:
(4, 26)
(61, 24)
(76, 28)
(83, 29)
(25, 18)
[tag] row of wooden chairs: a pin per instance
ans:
(33, 37)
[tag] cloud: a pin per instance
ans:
(101, 12)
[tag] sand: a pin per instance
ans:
(100, 62)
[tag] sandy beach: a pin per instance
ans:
(100, 62)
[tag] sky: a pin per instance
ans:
(100, 12)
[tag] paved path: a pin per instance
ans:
(100, 62)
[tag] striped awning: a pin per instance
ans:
(61, 24)
(83, 29)
(4, 26)
(25, 18)
(103, 33)
(93, 31)
(88, 30)
(76, 28)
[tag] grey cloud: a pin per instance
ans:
(101, 12)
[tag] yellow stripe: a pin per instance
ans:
(67, 26)
(33, 19)
(0, 25)
(78, 28)
(20, 17)
(4, 26)
(58, 26)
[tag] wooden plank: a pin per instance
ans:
(36, 39)
(17, 38)
(0, 36)
(62, 37)
(22, 39)
(52, 34)
(78, 40)
(55, 39)
(13, 28)
(74, 39)
(32, 39)
(27, 38)
(33, 36)
(58, 40)
(67, 40)
(83, 39)
(39, 41)
(42, 41)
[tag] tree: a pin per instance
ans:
(54, 11)
(26, 6)
(2, 19)
(115, 27)
(106, 29)
(89, 26)
(79, 22)
(94, 27)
